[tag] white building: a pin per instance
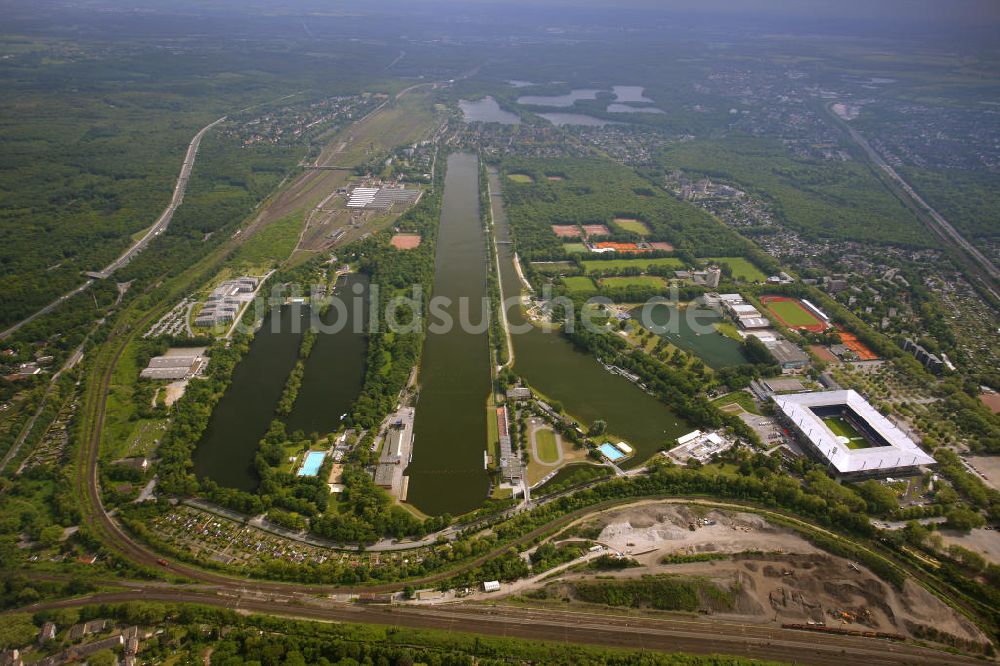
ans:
(885, 450)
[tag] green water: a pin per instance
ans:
(335, 369)
(227, 448)
(694, 332)
(550, 363)
(447, 473)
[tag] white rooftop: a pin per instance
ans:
(901, 452)
(744, 309)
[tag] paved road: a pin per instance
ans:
(47, 309)
(73, 359)
(158, 227)
(167, 215)
(940, 225)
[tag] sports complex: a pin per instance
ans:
(796, 314)
(843, 430)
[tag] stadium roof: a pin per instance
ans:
(900, 452)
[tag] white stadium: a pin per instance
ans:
(878, 448)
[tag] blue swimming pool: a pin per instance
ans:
(311, 465)
(610, 451)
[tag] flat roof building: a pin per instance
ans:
(873, 445)
(788, 356)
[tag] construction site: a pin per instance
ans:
(768, 573)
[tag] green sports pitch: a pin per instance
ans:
(841, 427)
(579, 285)
(792, 313)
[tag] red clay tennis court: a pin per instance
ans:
(620, 247)
(566, 230)
(405, 241)
(596, 230)
(851, 342)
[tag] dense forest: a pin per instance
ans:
(828, 199)
(595, 191)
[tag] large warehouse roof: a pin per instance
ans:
(900, 452)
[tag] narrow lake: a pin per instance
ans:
(227, 448)
(335, 369)
(568, 99)
(487, 110)
(561, 119)
(447, 473)
(550, 363)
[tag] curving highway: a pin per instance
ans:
(161, 224)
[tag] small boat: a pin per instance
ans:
(342, 416)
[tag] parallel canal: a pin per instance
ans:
(550, 363)
(226, 451)
(447, 473)
(332, 381)
(335, 369)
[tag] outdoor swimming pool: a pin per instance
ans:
(312, 463)
(611, 452)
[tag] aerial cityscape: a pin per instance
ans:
(458, 332)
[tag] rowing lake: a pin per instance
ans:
(549, 362)
(447, 473)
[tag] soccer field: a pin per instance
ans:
(642, 264)
(579, 285)
(634, 281)
(742, 268)
(840, 427)
(792, 313)
(632, 224)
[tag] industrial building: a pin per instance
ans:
(747, 316)
(788, 355)
(511, 469)
(177, 365)
(381, 198)
(397, 450)
(874, 447)
(699, 445)
(223, 305)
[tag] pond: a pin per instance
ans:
(561, 119)
(568, 99)
(487, 110)
(629, 94)
(693, 330)
(625, 108)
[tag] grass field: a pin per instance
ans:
(840, 427)
(792, 313)
(547, 447)
(402, 121)
(742, 268)
(644, 264)
(270, 246)
(741, 398)
(632, 225)
(579, 285)
(520, 178)
(634, 281)
(575, 248)
(551, 267)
